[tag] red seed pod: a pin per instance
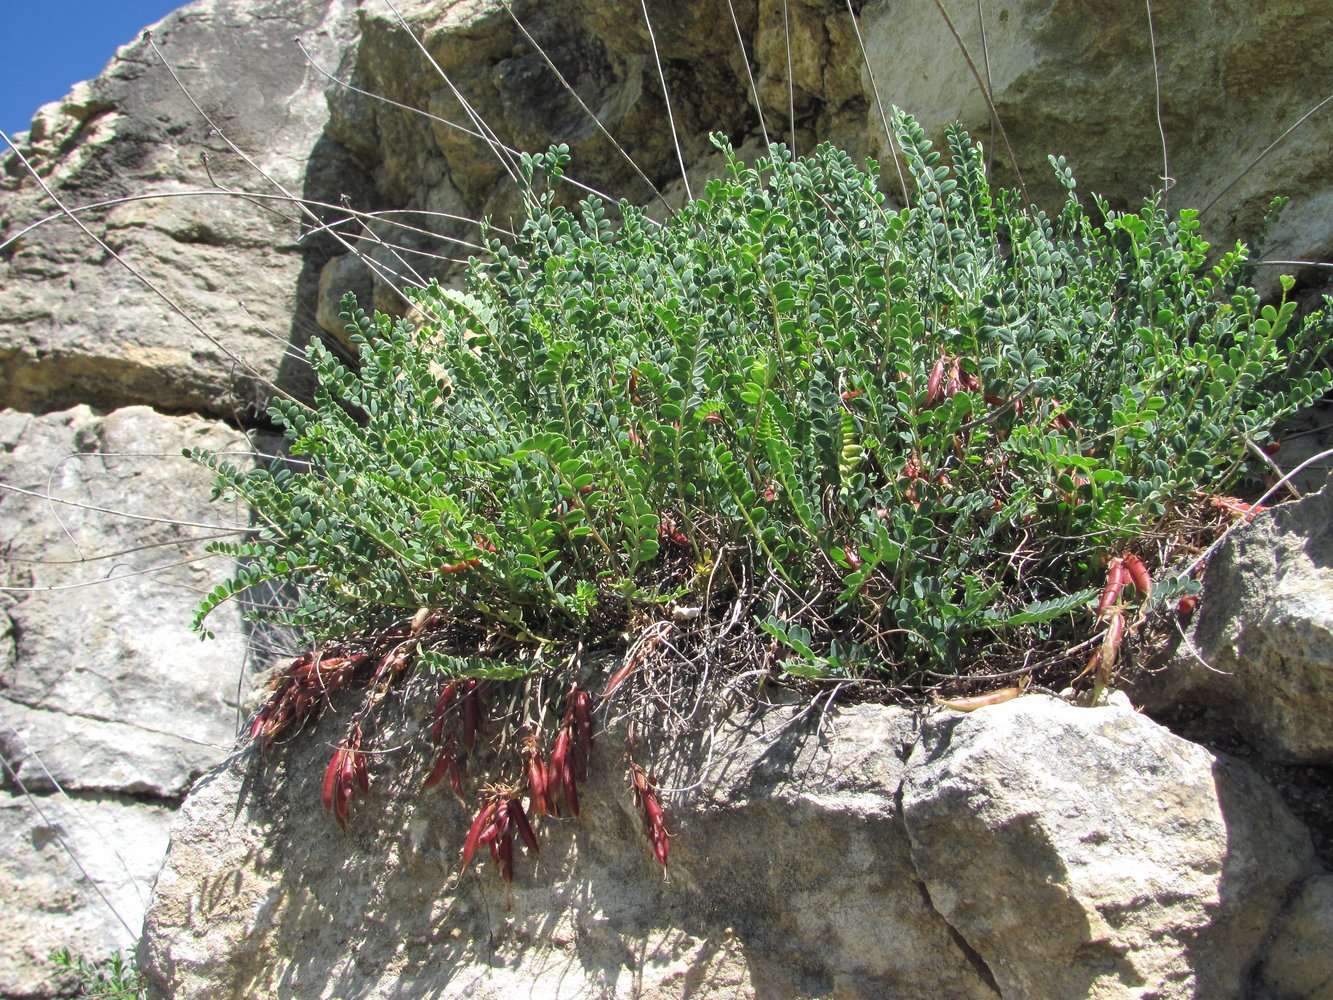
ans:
(445, 702)
(556, 770)
(933, 394)
(502, 831)
(479, 824)
(491, 834)
(1115, 633)
(660, 845)
(1138, 573)
(520, 820)
(506, 850)
(653, 809)
(1186, 606)
(953, 382)
(347, 777)
(712, 418)
(471, 717)
(571, 789)
(559, 753)
(363, 772)
(455, 776)
(536, 783)
(439, 771)
(619, 676)
(581, 709)
(1093, 659)
(1115, 582)
(342, 803)
(331, 777)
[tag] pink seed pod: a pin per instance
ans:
(1138, 573)
(1115, 583)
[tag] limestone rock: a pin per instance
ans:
(78, 326)
(339, 276)
(1091, 853)
(961, 857)
(1299, 965)
(1264, 629)
(1050, 68)
(1053, 70)
(105, 692)
(48, 903)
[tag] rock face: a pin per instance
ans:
(109, 706)
(1050, 67)
(80, 328)
(1028, 850)
(1260, 650)
(1300, 963)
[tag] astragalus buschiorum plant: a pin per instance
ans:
(789, 436)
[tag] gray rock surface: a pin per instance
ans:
(48, 902)
(1263, 635)
(1051, 66)
(104, 691)
(1299, 965)
(1091, 853)
(78, 327)
(1078, 82)
(960, 856)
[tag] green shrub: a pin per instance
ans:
(899, 442)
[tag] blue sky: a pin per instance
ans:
(50, 45)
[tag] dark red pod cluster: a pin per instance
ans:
(447, 763)
(302, 690)
(348, 772)
(654, 819)
(570, 754)
(947, 379)
(500, 817)
(465, 699)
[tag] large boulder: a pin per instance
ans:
(79, 327)
(1259, 653)
(1092, 854)
(110, 707)
(1028, 850)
